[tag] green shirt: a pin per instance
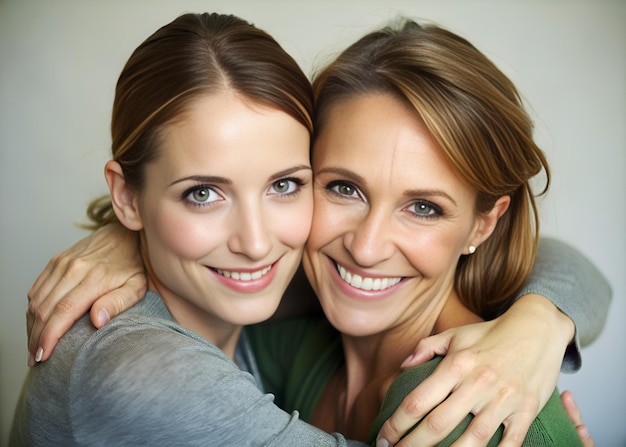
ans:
(298, 357)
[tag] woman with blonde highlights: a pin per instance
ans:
(424, 221)
(425, 224)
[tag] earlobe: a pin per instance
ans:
(488, 221)
(123, 198)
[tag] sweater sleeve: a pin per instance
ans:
(174, 390)
(576, 286)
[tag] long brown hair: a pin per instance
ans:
(475, 114)
(195, 55)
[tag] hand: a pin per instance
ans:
(574, 414)
(105, 266)
(503, 371)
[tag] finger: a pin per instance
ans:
(431, 392)
(67, 280)
(428, 348)
(115, 302)
(498, 412)
(454, 414)
(516, 427)
(576, 416)
(53, 319)
(53, 272)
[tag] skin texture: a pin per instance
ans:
(468, 378)
(213, 236)
(390, 211)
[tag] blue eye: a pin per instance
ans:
(424, 208)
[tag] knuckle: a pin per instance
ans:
(480, 431)
(390, 428)
(461, 362)
(436, 423)
(414, 406)
(65, 307)
(486, 375)
(118, 302)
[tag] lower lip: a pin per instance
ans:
(252, 286)
(360, 294)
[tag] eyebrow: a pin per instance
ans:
(226, 181)
(204, 179)
(289, 171)
(429, 193)
(349, 175)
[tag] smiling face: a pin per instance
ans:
(225, 211)
(392, 218)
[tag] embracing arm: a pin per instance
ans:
(490, 369)
(104, 266)
(574, 285)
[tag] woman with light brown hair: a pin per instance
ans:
(381, 289)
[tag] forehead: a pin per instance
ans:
(227, 135)
(384, 141)
(381, 131)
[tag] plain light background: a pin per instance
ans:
(59, 61)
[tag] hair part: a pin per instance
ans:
(476, 116)
(193, 56)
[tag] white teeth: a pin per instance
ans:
(244, 276)
(359, 282)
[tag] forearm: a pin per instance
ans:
(574, 285)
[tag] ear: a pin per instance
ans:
(487, 222)
(123, 198)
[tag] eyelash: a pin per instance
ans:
(185, 196)
(437, 212)
(298, 182)
(331, 187)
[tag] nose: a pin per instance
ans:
(250, 234)
(370, 240)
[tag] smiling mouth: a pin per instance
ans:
(359, 282)
(244, 276)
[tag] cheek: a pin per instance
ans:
(433, 252)
(292, 223)
(188, 236)
(324, 224)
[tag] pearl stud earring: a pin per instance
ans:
(472, 249)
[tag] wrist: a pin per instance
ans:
(542, 309)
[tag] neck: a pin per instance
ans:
(373, 362)
(222, 334)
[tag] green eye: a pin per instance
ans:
(201, 195)
(285, 186)
(281, 186)
(346, 190)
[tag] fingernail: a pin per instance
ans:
(31, 360)
(39, 354)
(406, 362)
(382, 442)
(103, 317)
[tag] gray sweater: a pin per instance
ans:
(145, 380)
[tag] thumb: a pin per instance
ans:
(428, 348)
(117, 301)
